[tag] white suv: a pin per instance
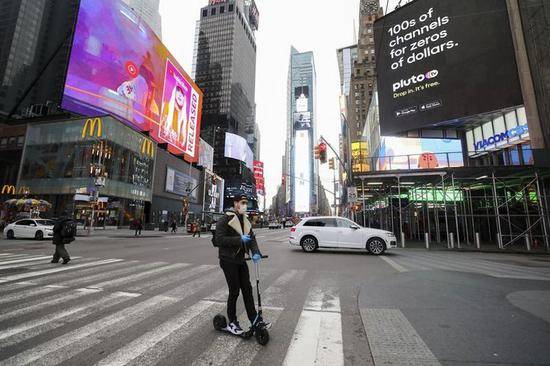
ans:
(338, 232)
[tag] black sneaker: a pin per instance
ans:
(54, 261)
(235, 328)
(65, 261)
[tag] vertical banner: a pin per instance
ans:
(259, 177)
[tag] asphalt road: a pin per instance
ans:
(150, 300)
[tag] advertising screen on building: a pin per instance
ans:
(259, 177)
(206, 155)
(236, 147)
(302, 170)
(180, 183)
(118, 66)
(443, 60)
(402, 153)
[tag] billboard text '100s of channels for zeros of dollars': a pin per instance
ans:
(119, 66)
(444, 60)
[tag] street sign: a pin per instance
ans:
(352, 194)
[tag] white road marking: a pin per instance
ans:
(28, 293)
(64, 347)
(396, 266)
(32, 259)
(138, 276)
(173, 277)
(110, 274)
(141, 345)
(55, 270)
(317, 339)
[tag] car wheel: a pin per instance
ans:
(376, 246)
(309, 244)
(10, 235)
(39, 235)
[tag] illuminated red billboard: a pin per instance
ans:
(259, 177)
(118, 66)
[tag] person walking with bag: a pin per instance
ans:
(234, 237)
(64, 232)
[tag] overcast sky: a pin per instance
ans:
(308, 25)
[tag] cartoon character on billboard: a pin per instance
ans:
(428, 160)
(141, 87)
(174, 117)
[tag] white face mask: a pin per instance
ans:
(242, 208)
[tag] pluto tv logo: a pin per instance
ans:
(413, 80)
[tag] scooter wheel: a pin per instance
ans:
(219, 322)
(262, 336)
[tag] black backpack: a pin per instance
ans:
(68, 229)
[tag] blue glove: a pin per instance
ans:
(246, 239)
(256, 258)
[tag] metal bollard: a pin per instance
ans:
(402, 240)
(452, 236)
(528, 242)
(478, 241)
(499, 241)
(427, 238)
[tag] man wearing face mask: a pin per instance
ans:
(234, 237)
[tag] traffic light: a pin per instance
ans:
(323, 153)
(331, 164)
(317, 152)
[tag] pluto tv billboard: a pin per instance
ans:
(444, 60)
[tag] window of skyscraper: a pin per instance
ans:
(222, 9)
(213, 11)
(205, 13)
(231, 7)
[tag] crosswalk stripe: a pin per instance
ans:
(55, 270)
(396, 266)
(5, 287)
(36, 327)
(491, 269)
(141, 345)
(174, 277)
(129, 267)
(274, 294)
(41, 262)
(43, 303)
(28, 293)
(57, 350)
(31, 259)
(211, 282)
(10, 257)
(317, 339)
(139, 276)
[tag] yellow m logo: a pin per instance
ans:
(7, 189)
(147, 147)
(89, 127)
(24, 190)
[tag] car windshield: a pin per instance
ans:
(45, 222)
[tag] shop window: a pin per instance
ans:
(527, 154)
(514, 156)
(231, 7)
(3, 142)
(213, 11)
(222, 9)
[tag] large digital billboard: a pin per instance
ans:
(444, 60)
(302, 170)
(237, 148)
(119, 66)
(403, 153)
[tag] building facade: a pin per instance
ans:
(148, 10)
(226, 72)
(35, 39)
(302, 169)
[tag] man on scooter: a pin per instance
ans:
(234, 238)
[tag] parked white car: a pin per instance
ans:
(313, 233)
(30, 228)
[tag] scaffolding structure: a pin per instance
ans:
(504, 208)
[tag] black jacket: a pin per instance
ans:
(228, 238)
(57, 239)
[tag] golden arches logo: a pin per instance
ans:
(24, 190)
(7, 189)
(147, 147)
(90, 127)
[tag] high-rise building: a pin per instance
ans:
(302, 169)
(364, 69)
(225, 70)
(35, 39)
(148, 10)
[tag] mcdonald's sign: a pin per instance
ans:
(24, 190)
(7, 189)
(90, 127)
(148, 147)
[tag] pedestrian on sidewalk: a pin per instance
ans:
(197, 228)
(138, 226)
(174, 226)
(234, 237)
(64, 232)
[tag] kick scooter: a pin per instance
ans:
(261, 334)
